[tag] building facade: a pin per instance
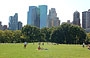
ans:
(43, 16)
(68, 21)
(37, 21)
(33, 16)
(4, 27)
(19, 25)
(13, 22)
(86, 19)
(0, 25)
(76, 18)
(37, 16)
(53, 20)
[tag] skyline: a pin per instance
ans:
(64, 8)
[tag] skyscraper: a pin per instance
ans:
(37, 16)
(53, 20)
(43, 15)
(68, 21)
(37, 21)
(16, 21)
(13, 22)
(86, 19)
(0, 25)
(5, 27)
(76, 18)
(33, 16)
(19, 25)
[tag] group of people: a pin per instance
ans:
(39, 48)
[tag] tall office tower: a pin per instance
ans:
(43, 16)
(33, 16)
(13, 22)
(86, 19)
(5, 27)
(19, 25)
(68, 21)
(76, 18)
(37, 21)
(11, 27)
(56, 22)
(16, 21)
(0, 25)
(53, 20)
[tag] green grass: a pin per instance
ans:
(54, 51)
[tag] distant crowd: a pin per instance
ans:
(39, 47)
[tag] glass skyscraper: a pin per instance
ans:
(37, 16)
(43, 15)
(37, 21)
(13, 22)
(19, 25)
(33, 16)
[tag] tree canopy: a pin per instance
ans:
(64, 34)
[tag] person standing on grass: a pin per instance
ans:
(83, 44)
(25, 44)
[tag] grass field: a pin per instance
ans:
(54, 51)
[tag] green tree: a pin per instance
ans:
(17, 36)
(88, 38)
(2, 36)
(46, 32)
(69, 34)
(31, 33)
(8, 36)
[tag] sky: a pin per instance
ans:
(64, 8)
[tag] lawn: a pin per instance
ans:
(11, 50)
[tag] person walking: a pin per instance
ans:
(83, 44)
(25, 44)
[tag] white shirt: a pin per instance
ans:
(25, 43)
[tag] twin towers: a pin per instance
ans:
(37, 16)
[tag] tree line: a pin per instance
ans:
(63, 34)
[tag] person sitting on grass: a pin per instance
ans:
(89, 47)
(39, 47)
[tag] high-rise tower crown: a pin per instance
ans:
(76, 12)
(76, 18)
